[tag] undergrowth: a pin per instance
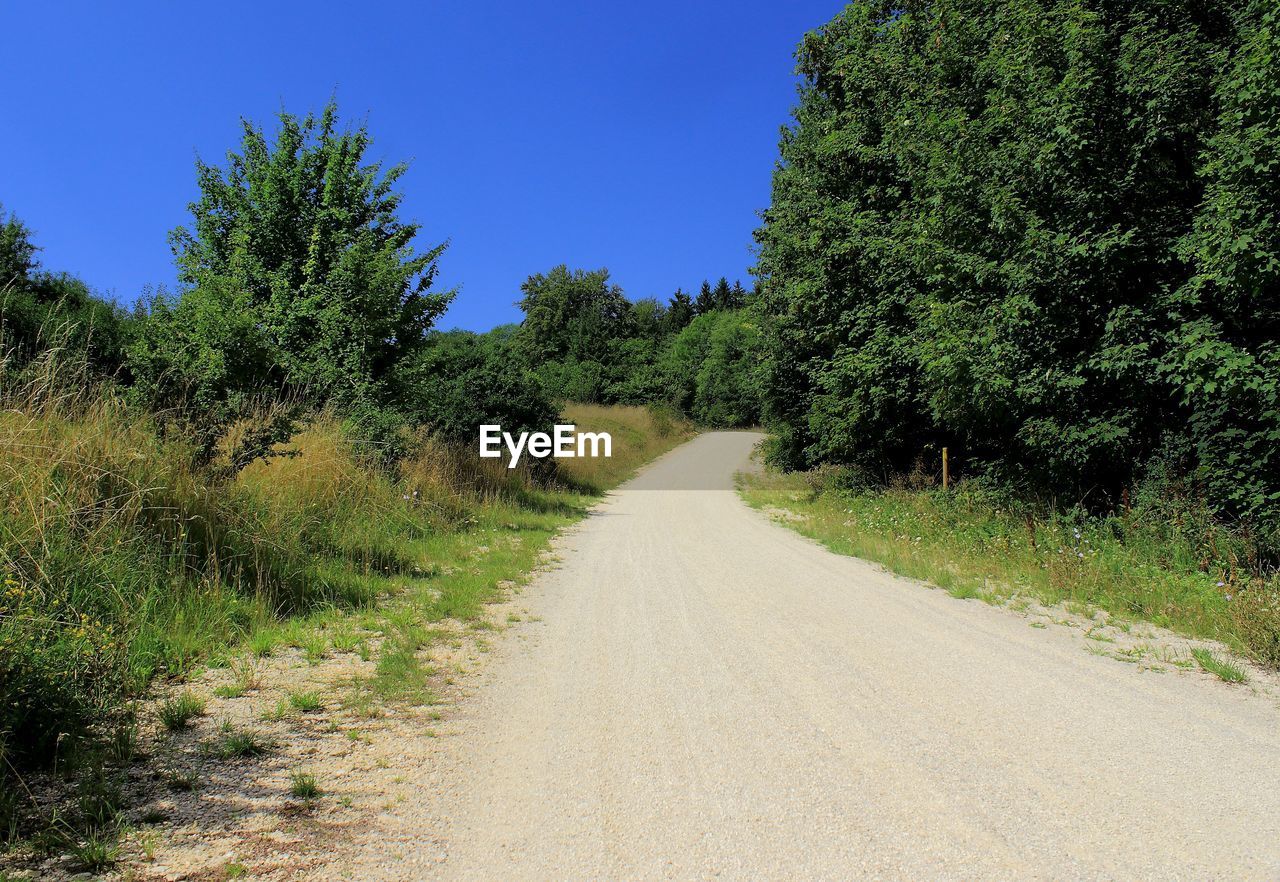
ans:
(120, 563)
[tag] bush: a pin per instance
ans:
(41, 311)
(203, 365)
(460, 381)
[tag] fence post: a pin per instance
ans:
(946, 470)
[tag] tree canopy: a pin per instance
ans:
(1041, 232)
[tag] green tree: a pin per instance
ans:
(460, 381)
(679, 312)
(571, 314)
(1224, 352)
(309, 236)
(706, 299)
(979, 229)
(300, 283)
(727, 390)
(40, 311)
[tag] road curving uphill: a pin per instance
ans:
(703, 693)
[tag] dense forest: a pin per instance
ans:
(1042, 234)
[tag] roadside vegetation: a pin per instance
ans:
(1043, 235)
(280, 455)
(1166, 560)
(125, 566)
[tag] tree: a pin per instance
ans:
(309, 237)
(1224, 349)
(17, 251)
(42, 311)
(648, 318)
(706, 301)
(300, 283)
(722, 295)
(460, 381)
(727, 392)
(977, 229)
(680, 312)
(571, 314)
(204, 364)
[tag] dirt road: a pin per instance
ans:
(705, 693)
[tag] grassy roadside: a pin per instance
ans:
(124, 571)
(1163, 562)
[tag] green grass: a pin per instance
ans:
(177, 712)
(1164, 562)
(120, 563)
(303, 785)
(183, 782)
(97, 852)
(306, 702)
(1224, 670)
(233, 743)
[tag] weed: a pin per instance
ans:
(183, 781)
(1220, 667)
(281, 711)
(314, 648)
(98, 795)
(247, 673)
(303, 785)
(306, 702)
(177, 711)
(233, 743)
(147, 843)
(345, 640)
(97, 852)
(122, 745)
(262, 643)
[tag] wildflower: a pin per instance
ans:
(1221, 584)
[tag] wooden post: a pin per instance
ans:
(946, 470)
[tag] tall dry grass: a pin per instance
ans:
(120, 562)
(639, 434)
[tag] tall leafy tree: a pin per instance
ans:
(308, 235)
(300, 282)
(1223, 356)
(571, 314)
(994, 226)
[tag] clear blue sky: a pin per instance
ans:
(637, 136)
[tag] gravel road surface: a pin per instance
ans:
(703, 693)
